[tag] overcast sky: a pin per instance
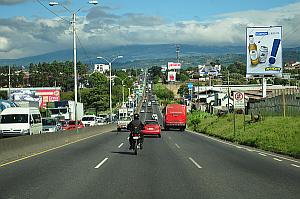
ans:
(27, 28)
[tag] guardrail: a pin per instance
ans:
(22, 146)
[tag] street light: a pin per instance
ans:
(122, 80)
(74, 46)
(110, 62)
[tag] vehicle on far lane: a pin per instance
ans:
(152, 127)
(175, 116)
(71, 125)
(142, 111)
(154, 116)
(89, 120)
(50, 125)
(123, 122)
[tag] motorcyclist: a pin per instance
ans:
(135, 126)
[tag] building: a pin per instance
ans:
(101, 68)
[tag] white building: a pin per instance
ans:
(102, 68)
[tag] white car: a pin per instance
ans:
(154, 116)
(89, 120)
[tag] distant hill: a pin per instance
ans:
(137, 55)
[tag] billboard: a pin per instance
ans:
(41, 96)
(174, 66)
(171, 76)
(102, 68)
(164, 68)
(264, 51)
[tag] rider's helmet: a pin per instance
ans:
(136, 116)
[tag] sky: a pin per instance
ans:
(28, 28)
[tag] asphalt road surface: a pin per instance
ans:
(177, 165)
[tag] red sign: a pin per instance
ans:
(174, 66)
(48, 96)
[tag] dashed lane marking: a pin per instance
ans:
(237, 146)
(294, 165)
(120, 145)
(101, 163)
(277, 159)
(262, 154)
(195, 163)
(177, 146)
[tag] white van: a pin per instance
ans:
(89, 120)
(20, 121)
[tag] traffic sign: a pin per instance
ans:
(190, 85)
(238, 100)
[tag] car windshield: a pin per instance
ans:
(49, 122)
(14, 118)
(151, 122)
(126, 119)
(88, 118)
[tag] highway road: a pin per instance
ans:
(177, 165)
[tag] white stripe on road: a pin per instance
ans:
(262, 154)
(277, 159)
(231, 144)
(195, 163)
(101, 163)
(169, 137)
(177, 146)
(294, 165)
(120, 145)
(250, 150)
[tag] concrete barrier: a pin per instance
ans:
(22, 146)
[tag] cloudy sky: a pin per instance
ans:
(30, 28)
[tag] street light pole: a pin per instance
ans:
(123, 93)
(110, 79)
(75, 64)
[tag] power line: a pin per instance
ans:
(52, 11)
(84, 50)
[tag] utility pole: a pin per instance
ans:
(228, 90)
(9, 86)
(177, 52)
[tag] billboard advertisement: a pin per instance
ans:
(164, 68)
(174, 66)
(264, 51)
(41, 96)
(171, 76)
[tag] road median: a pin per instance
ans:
(24, 146)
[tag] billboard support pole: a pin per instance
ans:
(264, 87)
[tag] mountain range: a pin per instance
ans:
(134, 54)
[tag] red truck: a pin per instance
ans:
(175, 116)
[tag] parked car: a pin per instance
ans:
(20, 121)
(71, 125)
(50, 125)
(89, 120)
(152, 127)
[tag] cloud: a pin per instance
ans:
(11, 2)
(102, 28)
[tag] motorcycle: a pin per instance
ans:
(137, 144)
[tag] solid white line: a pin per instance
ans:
(231, 144)
(262, 154)
(120, 145)
(250, 150)
(100, 164)
(177, 146)
(295, 165)
(195, 163)
(277, 159)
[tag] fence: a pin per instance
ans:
(282, 105)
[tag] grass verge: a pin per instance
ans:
(276, 134)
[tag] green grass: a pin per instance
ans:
(276, 134)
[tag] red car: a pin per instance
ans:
(71, 125)
(151, 127)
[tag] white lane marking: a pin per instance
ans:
(250, 150)
(262, 154)
(239, 147)
(127, 138)
(120, 145)
(294, 165)
(269, 154)
(195, 163)
(177, 146)
(277, 159)
(169, 137)
(101, 163)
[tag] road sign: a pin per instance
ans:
(190, 85)
(239, 100)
